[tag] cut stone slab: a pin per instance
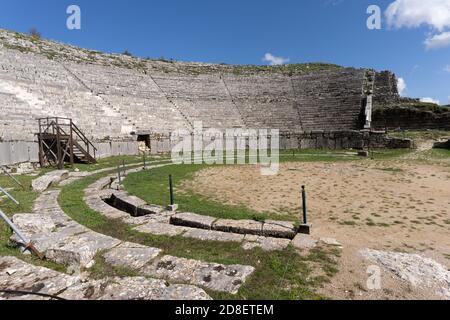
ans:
(45, 241)
(161, 229)
(18, 275)
(238, 226)
(419, 271)
(138, 221)
(44, 182)
(331, 242)
(30, 224)
(192, 220)
(135, 288)
(131, 255)
(149, 209)
(279, 229)
(81, 249)
(303, 241)
(223, 278)
(265, 243)
(211, 235)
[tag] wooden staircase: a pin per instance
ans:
(60, 141)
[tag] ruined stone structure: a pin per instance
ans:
(410, 119)
(116, 97)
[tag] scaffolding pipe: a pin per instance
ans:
(13, 227)
(27, 243)
(9, 196)
(12, 177)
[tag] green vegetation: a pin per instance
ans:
(153, 187)
(421, 135)
(279, 275)
(25, 197)
(411, 106)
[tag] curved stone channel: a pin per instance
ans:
(65, 241)
(102, 196)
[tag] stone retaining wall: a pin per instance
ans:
(15, 152)
(410, 119)
(310, 140)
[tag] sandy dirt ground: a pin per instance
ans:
(384, 205)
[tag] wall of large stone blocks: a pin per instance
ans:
(15, 152)
(410, 119)
(110, 102)
(385, 89)
(333, 140)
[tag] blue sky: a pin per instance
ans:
(242, 32)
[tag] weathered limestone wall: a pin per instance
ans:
(385, 90)
(112, 102)
(330, 100)
(410, 119)
(351, 139)
(15, 152)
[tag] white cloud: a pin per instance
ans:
(430, 100)
(401, 86)
(437, 41)
(447, 68)
(415, 13)
(273, 60)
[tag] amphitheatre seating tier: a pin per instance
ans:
(112, 96)
(329, 100)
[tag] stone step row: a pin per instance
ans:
(158, 222)
(139, 208)
(17, 275)
(64, 241)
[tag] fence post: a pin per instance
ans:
(172, 200)
(144, 158)
(305, 218)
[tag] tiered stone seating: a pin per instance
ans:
(113, 96)
(329, 100)
(201, 98)
(264, 101)
(133, 95)
(34, 87)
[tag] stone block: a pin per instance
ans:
(131, 256)
(211, 235)
(238, 226)
(161, 229)
(192, 220)
(279, 229)
(44, 182)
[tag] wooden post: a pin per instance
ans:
(305, 218)
(72, 162)
(41, 146)
(60, 160)
(172, 200)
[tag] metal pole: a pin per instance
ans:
(305, 218)
(118, 174)
(124, 169)
(15, 229)
(12, 177)
(145, 165)
(172, 200)
(28, 244)
(9, 196)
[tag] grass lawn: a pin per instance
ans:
(279, 275)
(421, 135)
(153, 186)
